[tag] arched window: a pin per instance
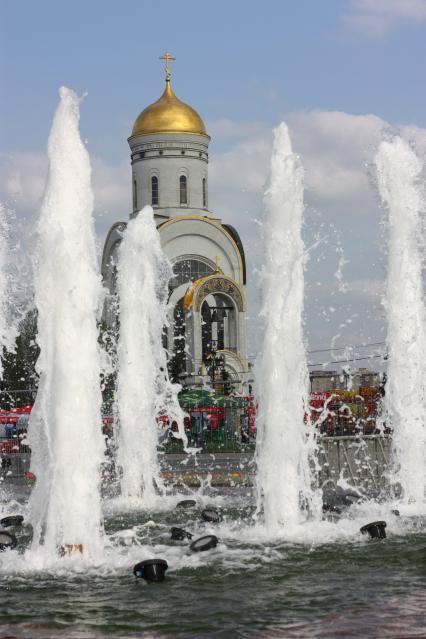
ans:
(204, 193)
(154, 190)
(189, 271)
(183, 190)
(135, 196)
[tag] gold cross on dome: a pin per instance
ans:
(216, 262)
(167, 57)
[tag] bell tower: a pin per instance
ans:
(206, 335)
(169, 154)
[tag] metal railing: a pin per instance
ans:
(216, 429)
(15, 457)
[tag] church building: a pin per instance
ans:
(206, 337)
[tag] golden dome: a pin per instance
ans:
(168, 115)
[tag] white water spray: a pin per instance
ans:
(283, 441)
(398, 172)
(143, 387)
(65, 427)
(7, 329)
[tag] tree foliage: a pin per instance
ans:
(19, 373)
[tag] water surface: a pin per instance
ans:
(340, 585)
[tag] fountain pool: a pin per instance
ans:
(328, 580)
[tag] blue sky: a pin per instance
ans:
(239, 60)
(339, 72)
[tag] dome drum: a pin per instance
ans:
(169, 145)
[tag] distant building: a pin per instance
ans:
(323, 381)
(365, 378)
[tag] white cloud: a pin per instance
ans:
(22, 180)
(252, 158)
(334, 147)
(112, 190)
(23, 177)
(337, 151)
(237, 179)
(377, 18)
(416, 136)
(225, 129)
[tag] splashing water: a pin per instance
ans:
(143, 387)
(398, 171)
(8, 331)
(65, 427)
(283, 442)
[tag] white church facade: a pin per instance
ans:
(206, 337)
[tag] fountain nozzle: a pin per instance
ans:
(180, 534)
(376, 529)
(151, 569)
(7, 540)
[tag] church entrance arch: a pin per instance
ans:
(218, 324)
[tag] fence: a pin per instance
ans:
(15, 458)
(219, 428)
(343, 413)
(361, 461)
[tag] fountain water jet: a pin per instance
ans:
(65, 426)
(144, 390)
(284, 441)
(398, 172)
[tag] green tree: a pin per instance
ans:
(20, 380)
(108, 343)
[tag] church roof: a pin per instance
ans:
(168, 115)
